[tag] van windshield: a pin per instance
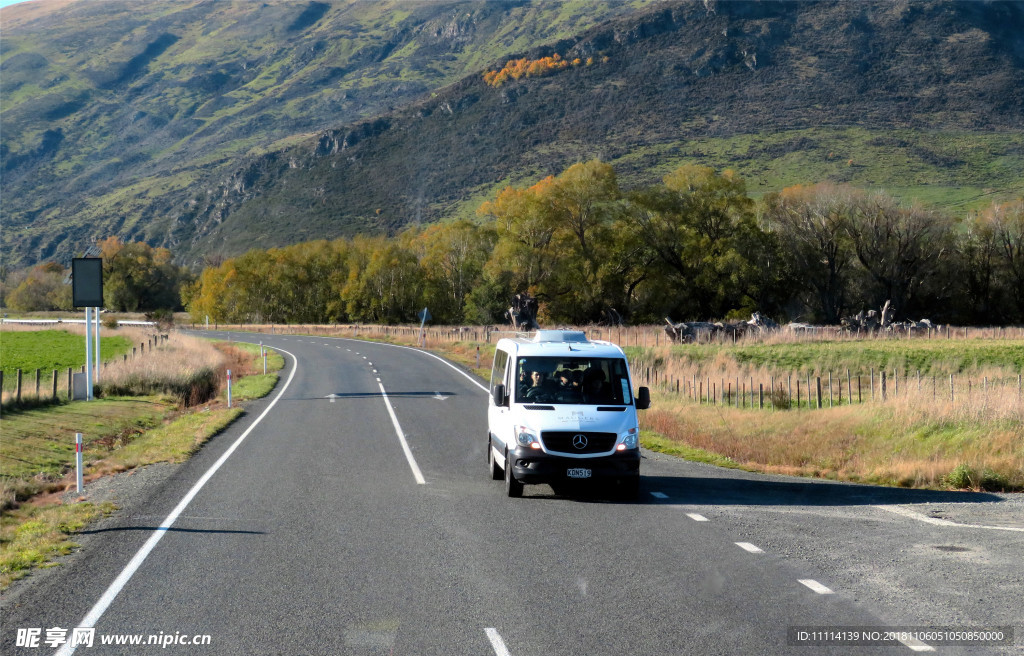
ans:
(572, 380)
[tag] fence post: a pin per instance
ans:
(53, 395)
(830, 404)
(872, 383)
(895, 383)
(818, 382)
(849, 387)
(952, 396)
(70, 388)
(18, 388)
(883, 386)
(760, 396)
(798, 394)
(37, 382)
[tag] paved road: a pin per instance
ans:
(315, 536)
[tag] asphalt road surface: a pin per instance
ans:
(331, 519)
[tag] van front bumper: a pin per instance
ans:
(535, 466)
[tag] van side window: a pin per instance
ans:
(498, 368)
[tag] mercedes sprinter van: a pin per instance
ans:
(561, 408)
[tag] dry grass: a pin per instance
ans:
(187, 368)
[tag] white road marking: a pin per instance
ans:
(697, 518)
(496, 642)
(401, 438)
(332, 396)
(94, 615)
(374, 371)
(370, 363)
(746, 546)
(906, 512)
(659, 495)
(817, 587)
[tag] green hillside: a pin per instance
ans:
(106, 106)
(212, 128)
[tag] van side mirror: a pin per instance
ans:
(499, 395)
(643, 398)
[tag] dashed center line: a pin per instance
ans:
(496, 642)
(697, 517)
(817, 587)
(746, 546)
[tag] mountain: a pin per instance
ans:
(214, 127)
(108, 106)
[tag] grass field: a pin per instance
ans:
(48, 350)
(907, 356)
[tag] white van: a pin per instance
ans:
(562, 408)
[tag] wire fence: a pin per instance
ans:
(18, 386)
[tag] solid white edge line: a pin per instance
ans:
(401, 437)
(496, 642)
(817, 587)
(746, 546)
(101, 606)
(906, 512)
(697, 518)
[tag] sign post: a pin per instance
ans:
(424, 316)
(87, 292)
(96, 349)
(88, 354)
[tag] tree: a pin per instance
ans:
(701, 226)
(811, 223)
(39, 288)
(139, 277)
(900, 250)
(451, 257)
(384, 282)
(1007, 224)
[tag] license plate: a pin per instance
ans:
(578, 472)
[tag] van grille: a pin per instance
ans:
(562, 441)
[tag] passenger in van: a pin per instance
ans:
(594, 389)
(569, 386)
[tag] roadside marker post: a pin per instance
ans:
(78, 461)
(229, 388)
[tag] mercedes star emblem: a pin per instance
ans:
(579, 441)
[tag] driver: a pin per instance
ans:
(539, 385)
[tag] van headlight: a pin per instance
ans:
(525, 437)
(629, 440)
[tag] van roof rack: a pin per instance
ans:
(562, 336)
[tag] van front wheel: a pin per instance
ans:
(513, 488)
(492, 464)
